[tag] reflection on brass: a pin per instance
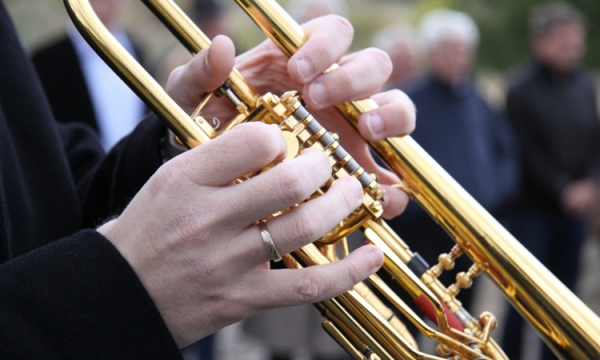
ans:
(357, 320)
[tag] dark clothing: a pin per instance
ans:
(61, 75)
(76, 297)
(474, 145)
(62, 78)
(551, 238)
(469, 140)
(555, 118)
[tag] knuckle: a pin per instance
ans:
(306, 226)
(382, 59)
(349, 81)
(169, 179)
(354, 274)
(162, 180)
(309, 287)
(350, 199)
(404, 109)
(344, 25)
(210, 266)
(409, 115)
(260, 141)
(185, 225)
(175, 77)
(291, 187)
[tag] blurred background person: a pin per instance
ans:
(552, 107)
(305, 10)
(210, 17)
(399, 42)
(460, 131)
(82, 88)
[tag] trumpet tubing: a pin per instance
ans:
(357, 320)
(567, 325)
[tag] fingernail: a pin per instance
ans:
(375, 125)
(304, 69)
(317, 94)
(376, 256)
(359, 191)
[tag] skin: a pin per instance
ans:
(580, 197)
(109, 11)
(404, 61)
(190, 234)
(562, 49)
(451, 60)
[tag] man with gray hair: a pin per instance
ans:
(398, 41)
(459, 130)
(552, 107)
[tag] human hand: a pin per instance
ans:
(267, 69)
(579, 197)
(190, 234)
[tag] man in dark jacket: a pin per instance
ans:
(185, 257)
(552, 107)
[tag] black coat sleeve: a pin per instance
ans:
(106, 183)
(78, 298)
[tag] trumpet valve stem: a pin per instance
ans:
(465, 280)
(446, 261)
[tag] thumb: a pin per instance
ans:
(206, 71)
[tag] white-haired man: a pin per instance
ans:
(398, 41)
(458, 129)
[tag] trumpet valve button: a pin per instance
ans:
(293, 147)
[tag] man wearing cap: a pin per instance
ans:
(552, 107)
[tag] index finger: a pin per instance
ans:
(244, 149)
(329, 38)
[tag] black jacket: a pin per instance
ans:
(556, 121)
(74, 297)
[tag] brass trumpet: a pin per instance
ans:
(360, 322)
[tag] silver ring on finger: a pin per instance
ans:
(268, 239)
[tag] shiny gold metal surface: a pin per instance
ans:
(358, 321)
(569, 327)
(195, 40)
(133, 74)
